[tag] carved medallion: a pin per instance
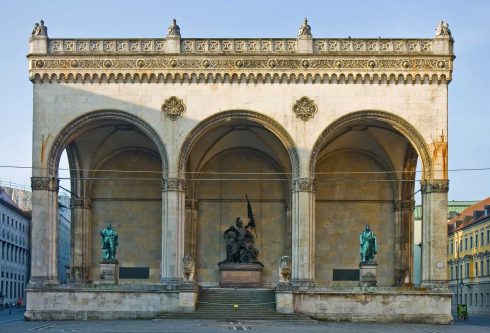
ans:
(173, 108)
(305, 108)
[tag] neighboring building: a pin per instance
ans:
(166, 136)
(453, 209)
(468, 254)
(14, 239)
(64, 237)
(21, 196)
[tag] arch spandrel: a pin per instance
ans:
(83, 122)
(404, 127)
(217, 119)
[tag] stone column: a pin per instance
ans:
(434, 233)
(403, 241)
(173, 222)
(44, 261)
(303, 231)
(80, 240)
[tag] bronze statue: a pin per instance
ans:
(110, 240)
(368, 245)
(240, 241)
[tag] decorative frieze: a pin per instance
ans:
(305, 108)
(173, 108)
(434, 186)
(304, 185)
(45, 184)
(173, 184)
(252, 45)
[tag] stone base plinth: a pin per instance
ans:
(368, 274)
(109, 272)
(240, 275)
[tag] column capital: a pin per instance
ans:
(173, 184)
(45, 184)
(434, 186)
(303, 185)
(404, 205)
(82, 203)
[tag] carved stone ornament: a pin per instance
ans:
(304, 185)
(173, 184)
(285, 269)
(434, 186)
(305, 108)
(173, 108)
(173, 30)
(188, 268)
(45, 184)
(443, 29)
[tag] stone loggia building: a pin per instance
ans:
(165, 137)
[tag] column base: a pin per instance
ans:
(42, 281)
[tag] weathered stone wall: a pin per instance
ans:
(221, 202)
(135, 208)
(344, 205)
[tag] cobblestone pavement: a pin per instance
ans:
(14, 323)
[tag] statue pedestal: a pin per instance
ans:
(368, 274)
(240, 275)
(109, 272)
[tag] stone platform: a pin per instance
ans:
(240, 275)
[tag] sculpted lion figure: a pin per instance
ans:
(285, 269)
(188, 268)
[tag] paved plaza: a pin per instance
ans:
(14, 323)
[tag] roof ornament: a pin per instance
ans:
(304, 29)
(443, 29)
(40, 29)
(173, 29)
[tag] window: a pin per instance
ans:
(452, 271)
(465, 298)
(476, 269)
(488, 299)
(488, 236)
(476, 240)
(481, 299)
(451, 248)
(488, 267)
(467, 273)
(460, 245)
(481, 238)
(481, 267)
(466, 243)
(471, 242)
(476, 299)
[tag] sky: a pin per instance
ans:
(469, 94)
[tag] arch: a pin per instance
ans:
(75, 127)
(217, 119)
(400, 124)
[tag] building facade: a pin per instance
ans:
(64, 238)
(165, 138)
(14, 239)
(454, 208)
(469, 258)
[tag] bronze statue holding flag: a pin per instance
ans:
(240, 241)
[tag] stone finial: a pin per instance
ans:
(304, 29)
(443, 29)
(173, 29)
(40, 29)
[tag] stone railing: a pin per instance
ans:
(258, 46)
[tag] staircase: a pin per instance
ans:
(237, 304)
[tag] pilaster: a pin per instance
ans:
(303, 230)
(173, 227)
(434, 233)
(403, 241)
(44, 266)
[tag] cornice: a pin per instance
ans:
(243, 60)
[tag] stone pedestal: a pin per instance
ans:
(240, 275)
(368, 274)
(109, 272)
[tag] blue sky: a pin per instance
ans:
(469, 93)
